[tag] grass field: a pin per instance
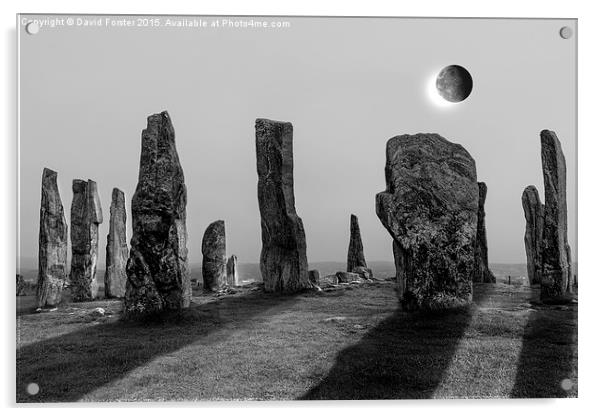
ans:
(351, 342)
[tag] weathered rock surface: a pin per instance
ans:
(157, 269)
(355, 253)
(52, 255)
(232, 277)
(86, 216)
(430, 208)
(482, 274)
(314, 277)
(117, 248)
(283, 261)
(330, 279)
(348, 277)
(364, 272)
(534, 214)
(214, 256)
(555, 279)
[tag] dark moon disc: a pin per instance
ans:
(454, 83)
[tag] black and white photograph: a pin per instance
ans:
(276, 208)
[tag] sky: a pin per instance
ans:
(346, 84)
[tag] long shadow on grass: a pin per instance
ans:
(404, 357)
(69, 366)
(548, 355)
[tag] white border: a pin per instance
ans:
(588, 172)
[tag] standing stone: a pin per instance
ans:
(355, 253)
(117, 248)
(430, 208)
(534, 213)
(555, 252)
(157, 269)
(86, 215)
(314, 277)
(214, 256)
(20, 285)
(283, 261)
(482, 274)
(232, 277)
(52, 255)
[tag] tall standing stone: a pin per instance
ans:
(283, 261)
(157, 269)
(430, 208)
(534, 213)
(117, 248)
(214, 256)
(232, 277)
(556, 260)
(482, 273)
(52, 255)
(86, 216)
(355, 253)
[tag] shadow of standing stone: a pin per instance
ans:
(547, 366)
(405, 356)
(283, 260)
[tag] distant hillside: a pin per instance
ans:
(501, 270)
(249, 272)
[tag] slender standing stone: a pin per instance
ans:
(157, 269)
(314, 277)
(20, 285)
(430, 208)
(52, 255)
(232, 277)
(283, 261)
(86, 215)
(214, 256)
(355, 253)
(556, 264)
(534, 213)
(482, 273)
(117, 248)
(572, 278)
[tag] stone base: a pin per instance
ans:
(410, 303)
